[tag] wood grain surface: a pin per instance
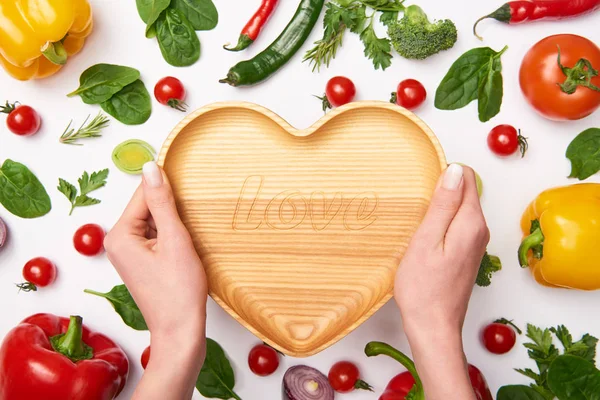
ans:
(301, 231)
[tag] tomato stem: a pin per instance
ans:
(8, 107)
(505, 321)
(70, 343)
(362, 385)
(27, 287)
(326, 105)
(580, 75)
(523, 144)
(536, 238)
(177, 105)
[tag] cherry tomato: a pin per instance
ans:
(499, 338)
(505, 140)
(145, 357)
(344, 377)
(339, 91)
(88, 240)
(410, 94)
(22, 120)
(38, 272)
(541, 77)
(263, 360)
(170, 92)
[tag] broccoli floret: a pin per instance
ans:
(415, 37)
(489, 265)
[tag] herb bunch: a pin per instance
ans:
(93, 129)
(87, 184)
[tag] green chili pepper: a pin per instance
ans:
(131, 155)
(266, 63)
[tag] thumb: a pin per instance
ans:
(159, 198)
(445, 203)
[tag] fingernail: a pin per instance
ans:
(452, 177)
(152, 174)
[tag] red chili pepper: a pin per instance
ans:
(402, 384)
(516, 12)
(53, 358)
(254, 26)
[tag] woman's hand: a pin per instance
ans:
(153, 253)
(435, 281)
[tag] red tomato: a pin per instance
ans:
(39, 272)
(504, 140)
(263, 360)
(22, 120)
(88, 240)
(410, 94)
(541, 76)
(499, 338)
(344, 377)
(170, 92)
(339, 91)
(145, 357)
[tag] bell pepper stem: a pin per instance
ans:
(534, 239)
(70, 343)
(55, 53)
(380, 348)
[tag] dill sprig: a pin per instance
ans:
(93, 129)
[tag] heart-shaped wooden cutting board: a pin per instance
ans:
(301, 231)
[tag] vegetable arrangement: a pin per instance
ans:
(118, 90)
(174, 24)
(561, 376)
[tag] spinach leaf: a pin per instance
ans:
(131, 106)
(177, 39)
(100, 82)
(202, 14)
(474, 75)
(573, 378)
(124, 305)
(216, 379)
(150, 10)
(584, 153)
(21, 193)
(518, 392)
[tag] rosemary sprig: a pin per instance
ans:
(91, 130)
(325, 49)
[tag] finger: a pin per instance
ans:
(133, 219)
(445, 203)
(159, 199)
(471, 196)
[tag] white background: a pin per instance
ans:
(510, 184)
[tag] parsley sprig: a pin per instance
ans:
(91, 130)
(87, 184)
(343, 15)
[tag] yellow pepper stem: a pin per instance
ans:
(535, 239)
(55, 53)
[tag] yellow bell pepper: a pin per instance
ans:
(37, 36)
(562, 242)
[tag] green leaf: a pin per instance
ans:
(150, 10)
(88, 184)
(69, 190)
(131, 106)
(84, 201)
(573, 378)
(518, 392)
(376, 49)
(202, 14)
(474, 75)
(177, 39)
(584, 154)
(21, 193)
(216, 379)
(100, 82)
(388, 17)
(124, 305)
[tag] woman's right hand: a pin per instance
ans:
(435, 280)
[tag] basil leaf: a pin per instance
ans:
(216, 379)
(177, 39)
(584, 154)
(150, 10)
(100, 82)
(474, 75)
(131, 106)
(573, 378)
(518, 392)
(124, 305)
(490, 91)
(202, 14)
(21, 193)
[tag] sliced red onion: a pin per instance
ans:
(3, 233)
(306, 383)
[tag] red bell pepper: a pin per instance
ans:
(403, 384)
(53, 358)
